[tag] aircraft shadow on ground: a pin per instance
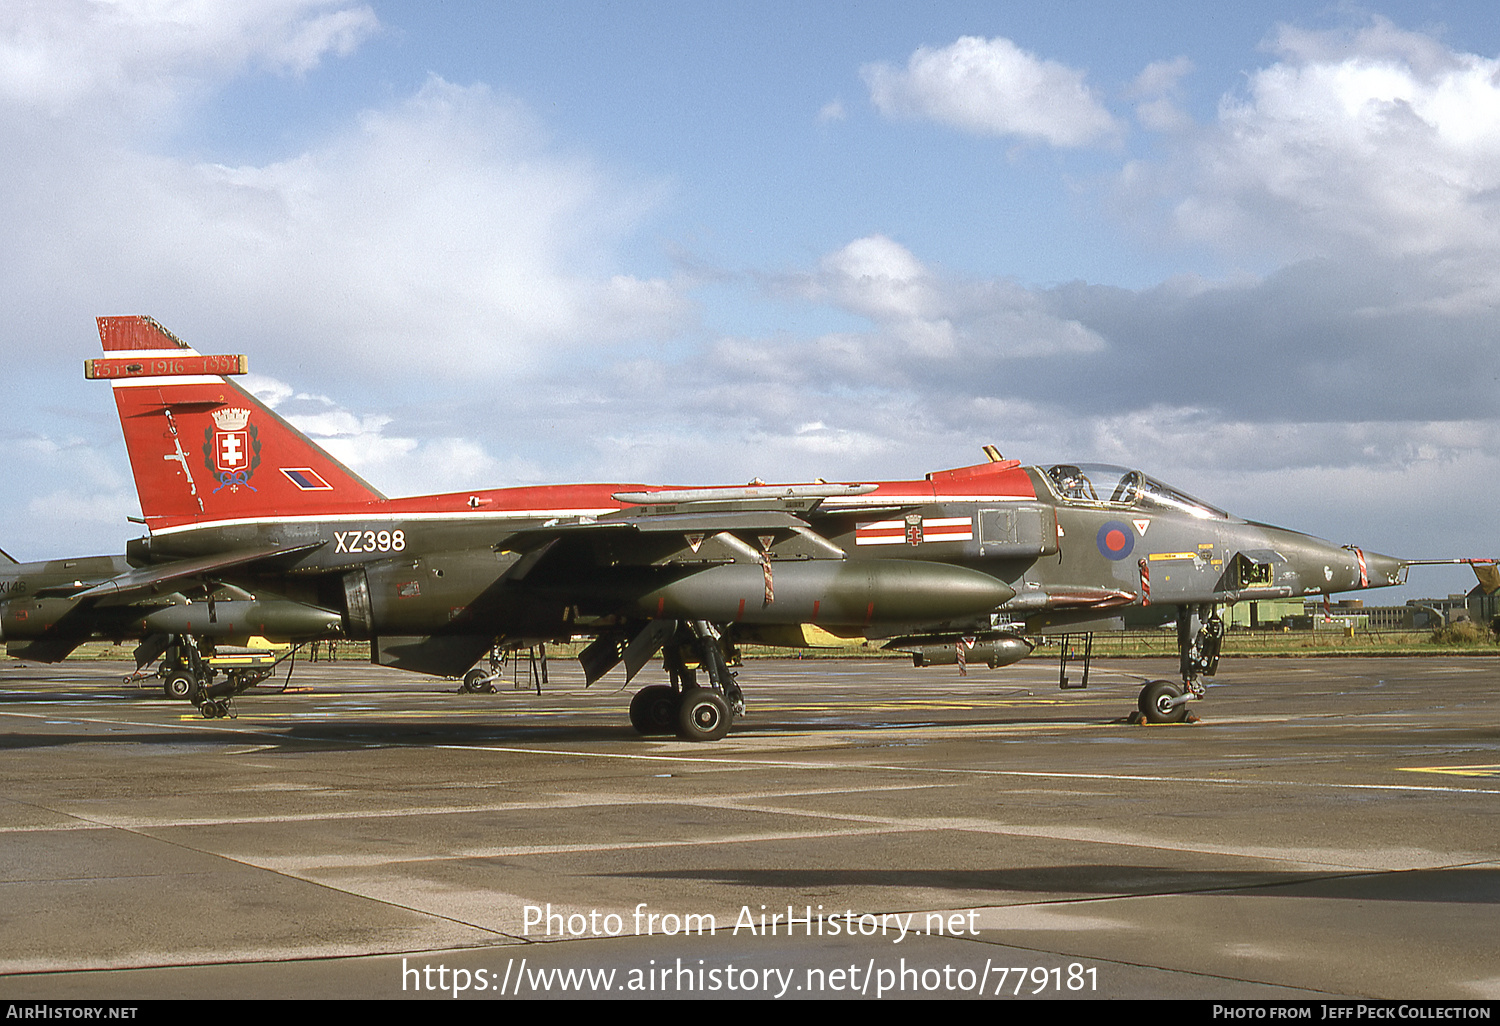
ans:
(325, 737)
(361, 732)
(1467, 885)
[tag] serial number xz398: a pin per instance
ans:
(369, 541)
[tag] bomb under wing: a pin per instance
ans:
(242, 619)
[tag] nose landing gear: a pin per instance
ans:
(1200, 637)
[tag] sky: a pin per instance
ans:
(1250, 248)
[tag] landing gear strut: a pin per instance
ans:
(693, 712)
(1199, 651)
(183, 669)
(1200, 637)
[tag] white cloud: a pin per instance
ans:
(922, 315)
(1375, 140)
(441, 227)
(1158, 95)
(395, 464)
(441, 235)
(879, 278)
(141, 56)
(992, 87)
(68, 496)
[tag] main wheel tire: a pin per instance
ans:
(177, 686)
(473, 679)
(703, 716)
(653, 710)
(1156, 703)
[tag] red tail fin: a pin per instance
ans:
(202, 448)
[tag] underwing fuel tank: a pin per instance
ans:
(238, 618)
(829, 593)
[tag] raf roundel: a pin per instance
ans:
(1115, 540)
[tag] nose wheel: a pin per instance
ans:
(1200, 638)
(1162, 701)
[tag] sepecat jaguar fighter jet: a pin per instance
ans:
(966, 563)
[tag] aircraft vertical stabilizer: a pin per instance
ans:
(204, 449)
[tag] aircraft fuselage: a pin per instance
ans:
(901, 558)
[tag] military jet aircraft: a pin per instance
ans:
(50, 607)
(37, 620)
(974, 559)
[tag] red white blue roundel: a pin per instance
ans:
(1115, 540)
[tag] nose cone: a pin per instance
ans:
(1321, 567)
(1382, 571)
(1350, 568)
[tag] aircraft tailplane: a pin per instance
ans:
(201, 447)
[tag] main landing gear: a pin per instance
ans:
(691, 711)
(1200, 636)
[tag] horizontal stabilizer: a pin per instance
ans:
(151, 576)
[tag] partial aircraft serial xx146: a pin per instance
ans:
(964, 563)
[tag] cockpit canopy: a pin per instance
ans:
(1101, 483)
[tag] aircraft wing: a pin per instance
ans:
(148, 577)
(643, 538)
(65, 590)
